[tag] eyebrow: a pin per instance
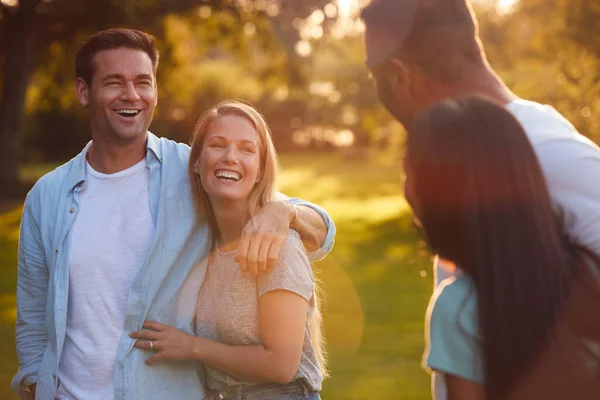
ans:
(122, 78)
(243, 140)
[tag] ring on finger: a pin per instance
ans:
(152, 344)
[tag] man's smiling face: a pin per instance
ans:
(122, 94)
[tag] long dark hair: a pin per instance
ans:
(483, 203)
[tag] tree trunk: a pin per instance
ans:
(17, 70)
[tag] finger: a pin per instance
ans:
(242, 251)
(273, 255)
(155, 326)
(253, 249)
(143, 345)
(155, 358)
(144, 335)
(263, 253)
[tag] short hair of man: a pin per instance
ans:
(440, 36)
(109, 40)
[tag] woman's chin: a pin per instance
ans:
(227, 197)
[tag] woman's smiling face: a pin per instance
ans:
(229, 164)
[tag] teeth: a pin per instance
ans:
(228, 175)
(128, 112)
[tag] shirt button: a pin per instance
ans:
(54, 377)
(57, 249)
(72, 210)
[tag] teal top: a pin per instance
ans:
(453, 336)
(452, 332)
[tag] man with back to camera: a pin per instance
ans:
(108, 239)
(423, 51)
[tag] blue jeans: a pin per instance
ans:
(297, 390)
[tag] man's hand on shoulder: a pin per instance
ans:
(263, 236)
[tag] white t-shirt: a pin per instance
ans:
(111, 237)
(571, 165)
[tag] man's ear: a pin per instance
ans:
(82, 91)
(399, 75)
(415, 79)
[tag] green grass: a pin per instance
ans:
(377, 280)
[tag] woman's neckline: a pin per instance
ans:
(227, 250)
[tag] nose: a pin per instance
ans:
(129, 92)
(230, 156)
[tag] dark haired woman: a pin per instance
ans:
(521, 321)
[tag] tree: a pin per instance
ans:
(546, 50)
(18, 63)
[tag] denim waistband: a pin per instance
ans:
(255, 392)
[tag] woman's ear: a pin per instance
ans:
(197, 169)
(261, 170)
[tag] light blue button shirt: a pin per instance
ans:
(157, 293)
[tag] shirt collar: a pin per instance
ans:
(153, 144)
(76, 174)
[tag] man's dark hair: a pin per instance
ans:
(109, 40)
(438, 35)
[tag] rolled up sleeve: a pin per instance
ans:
(327, 246)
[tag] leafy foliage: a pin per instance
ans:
(211, 50)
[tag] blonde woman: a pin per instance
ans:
(259, 338)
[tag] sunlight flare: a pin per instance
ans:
(506, 5)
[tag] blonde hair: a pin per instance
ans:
(262, 192)
(316, 329)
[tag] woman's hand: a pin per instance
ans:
(169, 343)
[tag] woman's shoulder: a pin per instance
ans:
(454, 294)
(292, 270)
(292, 248)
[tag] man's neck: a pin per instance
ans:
(485, 82)
(110, 157)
